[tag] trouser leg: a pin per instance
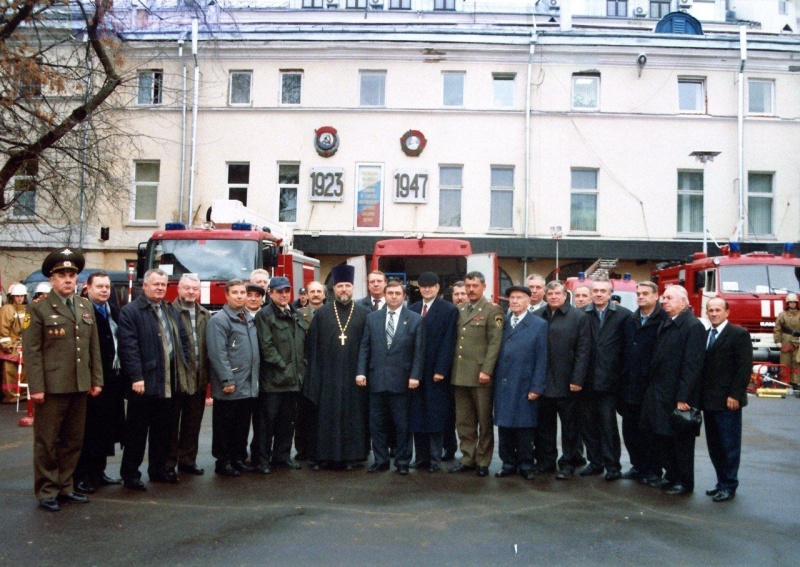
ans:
(466, 424)
(546, 432)
(137, 423)
(483, 402)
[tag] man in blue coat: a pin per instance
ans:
(430, 403)
(519, 378)
(391, 357)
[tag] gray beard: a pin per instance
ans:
(344, 300)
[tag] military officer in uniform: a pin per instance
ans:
(480, 334)
(63, 363)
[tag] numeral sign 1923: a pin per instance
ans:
(411, 187)
(326, 184)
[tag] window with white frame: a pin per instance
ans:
(291, 83)
(23, 195)
(352, 4)
(241, 83)
(450, 188)
(759, 203)
(503, 89)
(146, 176)
(444, 5)
(659, 8)
(585, 91)
(617, 8)
(150, 86)
(453, 88)
(692, 94)
(501, 207)
(760, 96)
(288, 183)
(238, 182)
(400, 5)
(313, 3)
(373, 88)
(583, 200)
(690, 202)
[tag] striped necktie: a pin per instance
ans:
(390, 329)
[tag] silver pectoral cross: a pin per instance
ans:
(342, 337)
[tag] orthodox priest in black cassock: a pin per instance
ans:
(337, 406)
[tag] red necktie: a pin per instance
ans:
(424, 309)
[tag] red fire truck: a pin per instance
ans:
(754, 285)
(218, 253)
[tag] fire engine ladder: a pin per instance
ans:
(601, 268)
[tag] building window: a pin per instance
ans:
(23, 195)
(761, 94)
(145, 190)
(583, 200)
(291, 83)
(690, 202)
(691, 94)
(453, 88)
(450, 186)
(503, 85)
(400, 5)
(150, 87)
(585, 92)
(759, 203)
(617, 8)
(352, 4)
(502, 198)
(444, 5)
(313, 3)
(373, 88)
(30, 83)
(288, 183)
(238, 182)
(783, 8)
(659, 8)
(241, 83)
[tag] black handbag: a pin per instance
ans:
(686, 422)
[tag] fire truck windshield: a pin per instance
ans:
(208, 259)
(759, 279)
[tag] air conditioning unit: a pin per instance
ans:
(376, 4)
(554, 4)
(683, 4)
(639, 12)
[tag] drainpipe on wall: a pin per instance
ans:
(740, 225)
(195, 100)
(528, 143)
(183, 129)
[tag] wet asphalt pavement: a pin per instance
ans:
(354, 518)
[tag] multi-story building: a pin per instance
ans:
(490, 121)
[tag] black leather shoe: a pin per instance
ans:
(85, 487)
(191, 469)
(263, 470)
(434, 468)
(134, 484)
(591, 470)
(527, 475)
(631, 474)
(448, 456)
(544, 470)
(613, 475)
(300, 457)
(402, 470)
(483, 471)
(724, 495)
(648, 478)
(378, 467)
(226, 470)
(108, 481)
(661, 483)
(241, 467)
(72, 498)
(168, 477)
(502, 473)
(678, 490)
(49, 504)
(289, 463)
(420, 465)
(461, 467)
(565, 474)
(713, 491)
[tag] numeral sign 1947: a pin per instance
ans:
(327, 184)
(410, 186)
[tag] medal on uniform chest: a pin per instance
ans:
(342, 336)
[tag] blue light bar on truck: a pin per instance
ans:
(735, 247)
(627, 277)
(241, 226)
(175, 226)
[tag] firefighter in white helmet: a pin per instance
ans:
(787, 336)
(14, 318)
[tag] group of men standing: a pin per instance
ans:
(346, 376)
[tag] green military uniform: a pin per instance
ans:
(307, 313)
(787, 337)
(62, 359)
(480, 333)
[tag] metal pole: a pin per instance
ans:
(195, 101)
(183, 131)
(740, 226)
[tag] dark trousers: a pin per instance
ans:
(387, 410)
(550, 410)
(599, 431)
(185, 434)
(230, 422)
(93, 460)
(428, 447)
(308, 410)
(450, 443)
(275, 427)
(724, 439)
(638, 441)
(676, 457)
(300, 427)
(57, 438)
(148, 419)
(516, 447)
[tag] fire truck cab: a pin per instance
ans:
(624, 287)
(754, 285)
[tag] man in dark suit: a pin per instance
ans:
(726, 373)
(63, 363)
(391, 358)
(569, 343)
(430, 403)
(675, 371)
(375, 299)
(105, 414)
